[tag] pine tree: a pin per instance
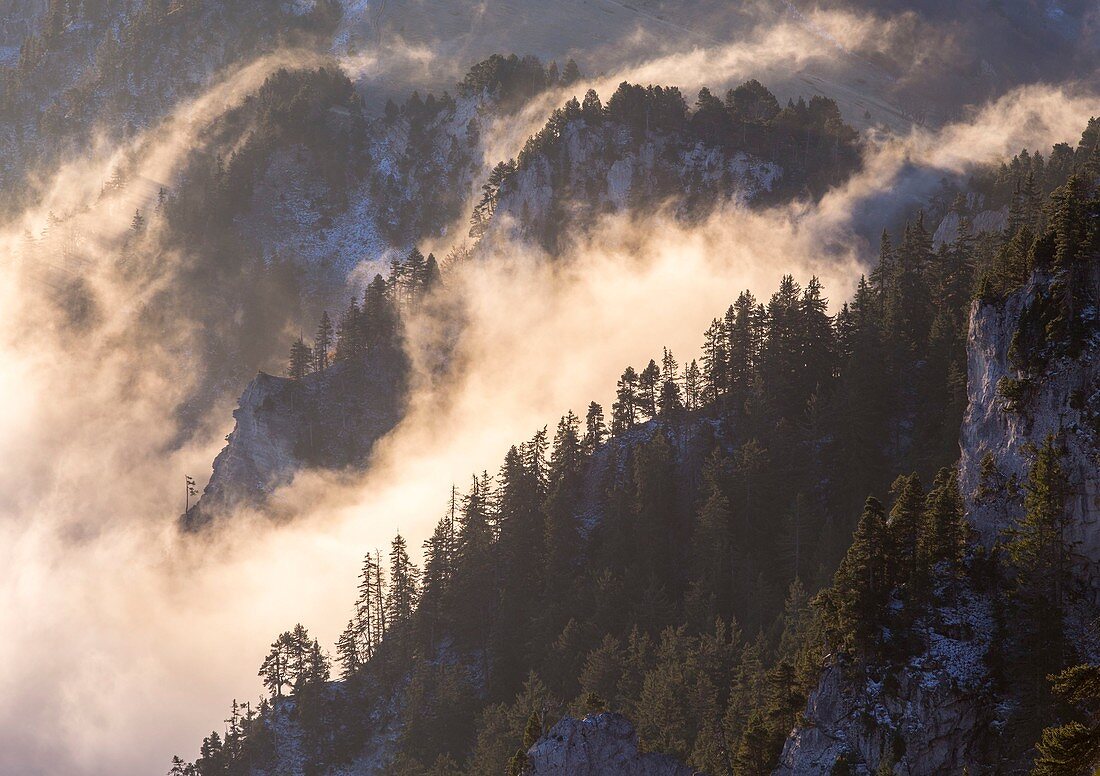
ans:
(624, 413)
(404, 587)
(711, 540)
(1074, 747)
(349, 334)
(561, 529)
(475, 566)
(293, 661)
(907, 301)
(904, 527)
(693, 385)
(380, 321)
(592, 108)
(1039, 557)
(794, 537)
(670, 399)
(348, 650)
(648, 381)
(490, 194)
(520, 556)
(322, 344)
(433, 278)
(534, 458)
(370, 616)
(300, 358)
(570, 74)
(816, 340)
(658, 529)
(595, 431)
(861, 586)
(943, 537)
(273, 670)
(715, 349)
(211, 756)
(413, 276)
(180, 768)
(781, 358)
(742, 334)
(883, 276)
(439, 557)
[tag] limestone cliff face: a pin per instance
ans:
(329, 420)
(1063, 399)
(598, 745)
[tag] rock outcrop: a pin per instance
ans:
(598, 745)
(329, 420)
(930, 716)
(595, 170)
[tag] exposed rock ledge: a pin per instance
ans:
(932, 714)
(598, 745)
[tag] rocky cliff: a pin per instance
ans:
(609, 168)
(1013, 408)
(329, 420)
(598, 745)
(930, 716)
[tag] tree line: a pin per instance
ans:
(371, 324)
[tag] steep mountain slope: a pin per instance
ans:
(627, 568)
(643, 151)
(586, 162)
(961, 680)
(113, 68)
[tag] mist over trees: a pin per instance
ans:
(692, 555)
(204, 195)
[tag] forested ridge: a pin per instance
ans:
(745, 146)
